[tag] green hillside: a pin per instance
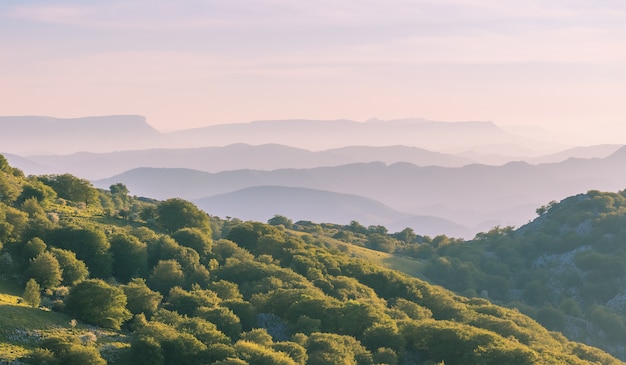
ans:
(567, 268)
(94, 277)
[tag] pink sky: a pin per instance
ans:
(193, 63)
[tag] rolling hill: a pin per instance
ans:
(260, 203)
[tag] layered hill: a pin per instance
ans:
(321, 206)
(271, 157)
(232, 157)
(474, 195)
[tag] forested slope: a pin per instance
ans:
(136, 281)
(567, 268)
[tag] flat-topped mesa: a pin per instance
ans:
(40, 134)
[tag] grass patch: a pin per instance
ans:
(21, 327)
(21, 316)
(412, 267)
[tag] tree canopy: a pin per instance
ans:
(97, 302)
(174, 214)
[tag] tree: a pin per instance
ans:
(80, 355)
(9, 184)
(257, 335)
(74, 270)
(385, 355)
(383, 335)
(333, 349)
(175, 347)
(146, 350)
(280, 220)
(12, 222)
(90, 245)
(33, 248)
(118, 200)
(99, 303)
(407, 235)
(294, 350)
(174, 214)
(4, 164)
(119, 189)
(194, 238)
(380, 242)
(35, 189)
(224, 318)
(67, 352)
(33, 208)
(71, 188)
(166, 275)
(130, 257)
(45, 269)
(226, 290)
(203, 330)
(356, 227)
(32, 294)
(140, 298)
(261, 355)
(377, 229)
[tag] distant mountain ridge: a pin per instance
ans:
(232, 157)
(430, 135)
(37, 134)
(46, 135)
(268, 157)
(473, 195)
(259, 203)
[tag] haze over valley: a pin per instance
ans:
(495, 178)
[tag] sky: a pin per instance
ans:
(558, 64)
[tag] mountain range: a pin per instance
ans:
(232, 157)
(434, 174)
(29, 135)
(268, 157)
(475, 196)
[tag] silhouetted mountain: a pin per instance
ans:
(318, 135)
(45, 135)
(262, 202)
(232, 157)
(598, 151)
(393, 154)
(500, 154)
(34, 134)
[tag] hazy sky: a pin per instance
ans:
(559, 63)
